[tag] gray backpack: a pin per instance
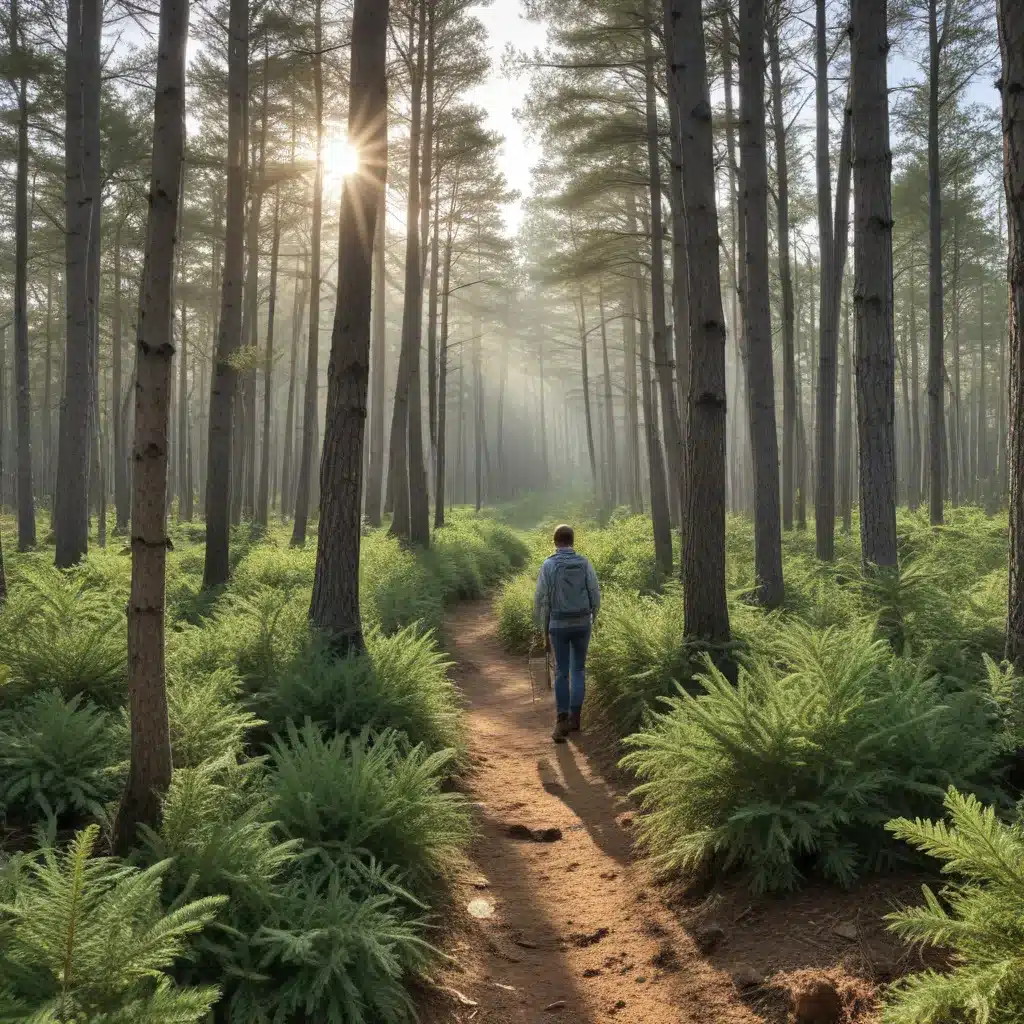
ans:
(570, 598)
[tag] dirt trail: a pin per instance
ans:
(578, 932)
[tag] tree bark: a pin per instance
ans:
(263, 495)
(664, 364)
(442, 389)
(760, 376)
(660, 515)
(229, 335)
(82, 201)
(184, 475)
(876, 389)
(585, 381)
(404, 425)
(335, 605)
(680, 259)
(824, 491)
(150, 772)
(378, 360)
(1011, 43)
(305, 474)
(845, 460)
(936, 365)
(288, 442)
(706, 611)
(609, 407)
(26, 502)
(914, 492)
(785, 280)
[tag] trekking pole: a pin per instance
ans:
(529, 662)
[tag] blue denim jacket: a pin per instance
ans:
(541, 597)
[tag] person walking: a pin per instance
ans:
(565, 607)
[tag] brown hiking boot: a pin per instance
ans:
(574, 720)
(561, 728)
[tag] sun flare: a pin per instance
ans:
(341, 158)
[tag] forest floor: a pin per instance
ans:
(573, 927)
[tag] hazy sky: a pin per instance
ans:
(501, 95)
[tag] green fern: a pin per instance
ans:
(356, 797)
(339, 948)
(59, 757)
(798, 767)
(980, 918)
(56, 632)
(84, 939)
(401, 683)
(206, 718)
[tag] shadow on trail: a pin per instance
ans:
(591, 802)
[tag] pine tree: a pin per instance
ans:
(335, 604)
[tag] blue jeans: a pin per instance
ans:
(569, 647)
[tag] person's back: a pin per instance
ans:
(566, 603)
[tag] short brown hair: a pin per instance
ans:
(564, 536)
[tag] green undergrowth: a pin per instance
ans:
(862, 699)
(311, 827)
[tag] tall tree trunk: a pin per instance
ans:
(845, 461)
(335, 605)
(81, 196)
(660, 516)
(149, 774)
(288, 441)
(1011, 43)
(914, 494)
(442, 388)
(609, 408)
(26, 501)
(636, 501)
(479, 423)
(680, 259)
(664, 364)
(250, 327)
(404, 424)
(585, 381)
(760, 378)
(122, 495)
(956, 446)
(936, 364)
(47, 411)
(305, 473)
(785, 279)
(825, 440)
(981, 430)
(378, 360)
(229, 335)
(184, 475)
(876, 391)
(706, 611)
(263, 495)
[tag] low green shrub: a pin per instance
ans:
(84, 938)
(636, 657)
(206, 717)
(797, 768)
(979, 917)
(59, 757)
(56, 632)
(401, 683)
(513, 608)
(370, 799)
(395, 587)
(337, 947)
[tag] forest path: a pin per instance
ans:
(578, 933)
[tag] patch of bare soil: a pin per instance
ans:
(556, 920)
